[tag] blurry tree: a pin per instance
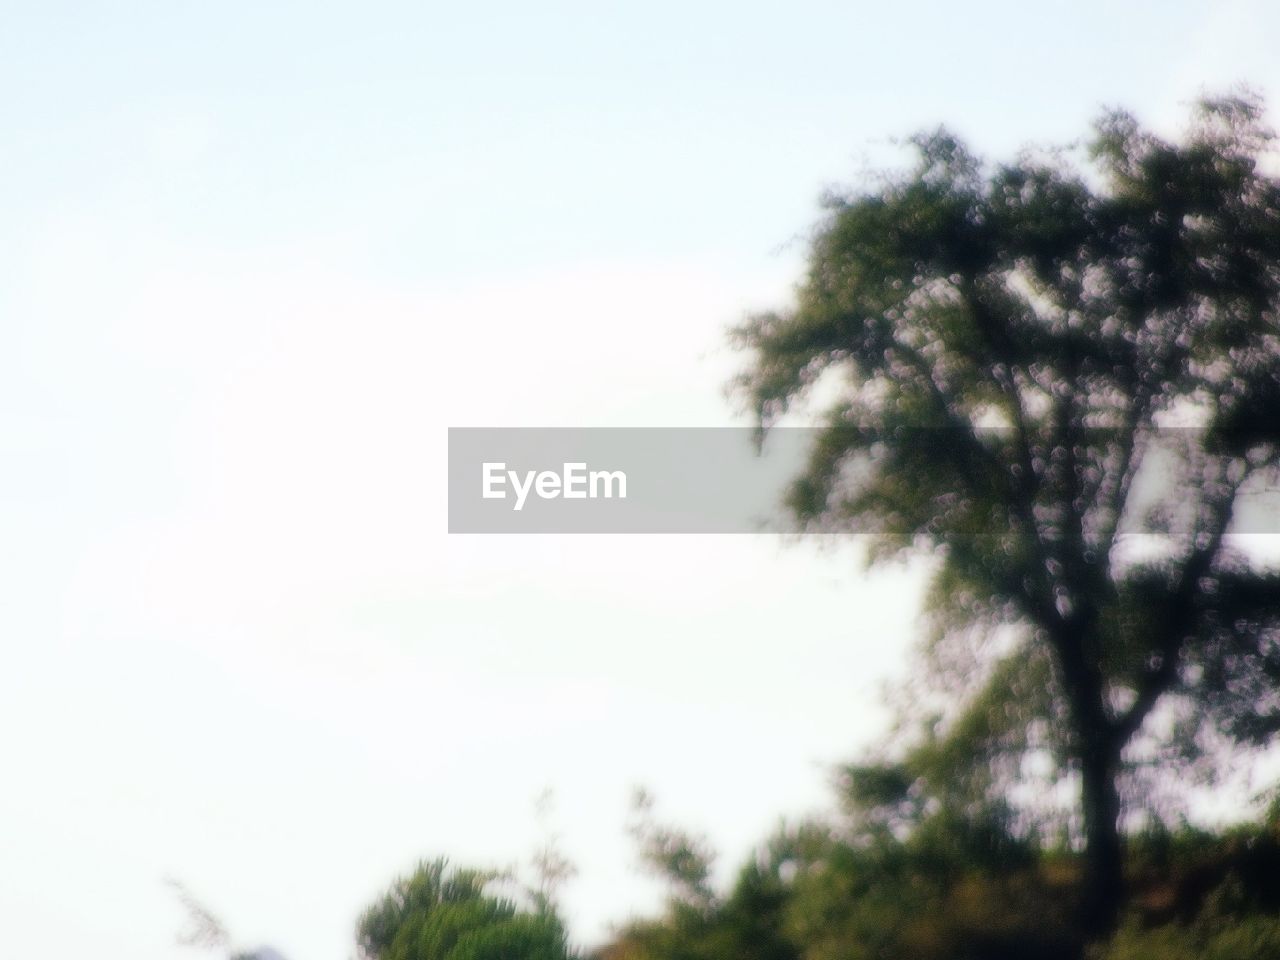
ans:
(1034, 365)
(439, 913)
(205, 931)
(854, 890)
(680, 858)
(552, 868)
(746, 923)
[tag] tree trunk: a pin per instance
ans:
(1103, 891)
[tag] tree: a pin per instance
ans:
(205, 931)
(748, 922)
(438, 913)
(1033, 365)
(682, 859)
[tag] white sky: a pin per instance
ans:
(260, 256)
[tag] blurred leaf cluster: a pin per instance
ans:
(439, 913)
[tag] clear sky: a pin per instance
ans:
(259, 256)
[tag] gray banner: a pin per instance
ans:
(606, 480)
(688, 480)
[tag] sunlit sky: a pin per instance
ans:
(260, 256)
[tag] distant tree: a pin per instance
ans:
(944, 891)
(1011, 351)
(439, 913)
(205, 931)
(552, 868)
(680, 858)
(748, 922)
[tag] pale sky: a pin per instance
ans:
(260, 256)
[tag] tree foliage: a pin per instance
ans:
(1058, 377)
(682, 859)
(438, 913)
(949, 889)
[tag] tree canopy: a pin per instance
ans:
(1058, 377)
(438, 913)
